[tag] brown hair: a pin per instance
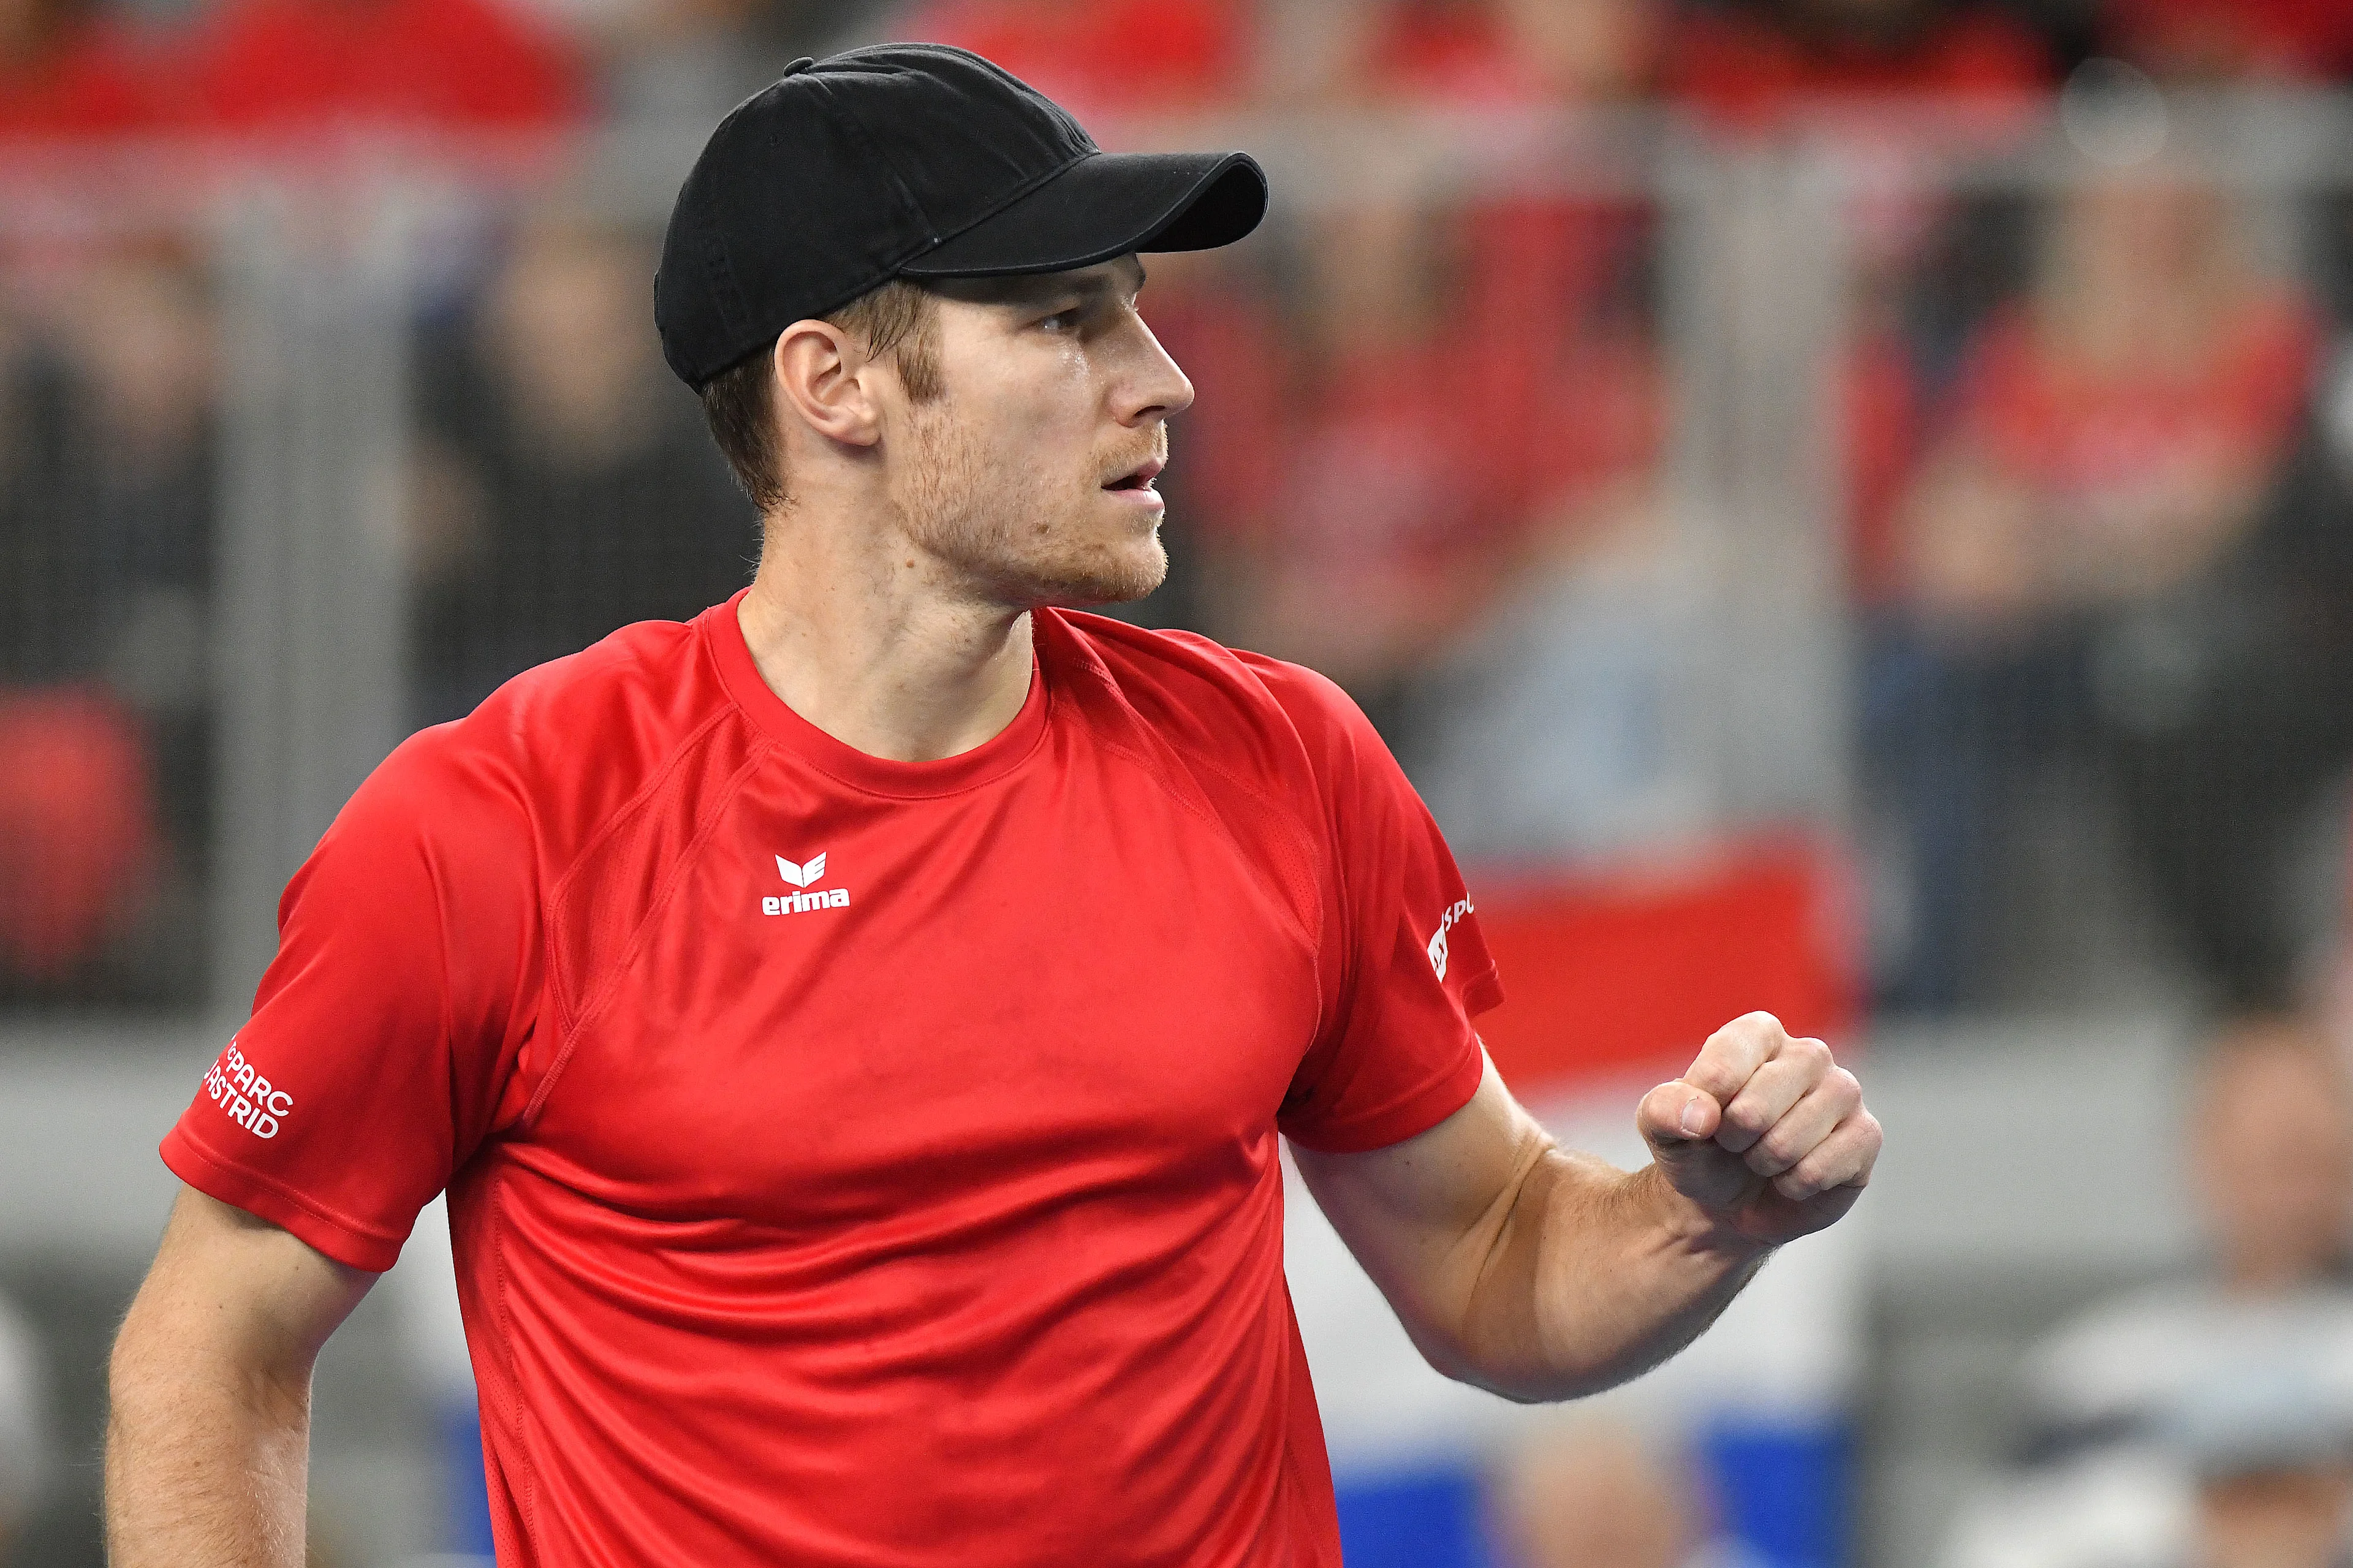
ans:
(739, 404)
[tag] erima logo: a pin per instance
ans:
(803, 876)
(1438, 942)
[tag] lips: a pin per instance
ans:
(1139, 477)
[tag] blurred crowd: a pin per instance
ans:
(2093, 438)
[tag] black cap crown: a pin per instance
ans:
(910, 160)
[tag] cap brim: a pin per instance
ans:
(1105, 206)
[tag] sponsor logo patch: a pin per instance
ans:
(251, 1101)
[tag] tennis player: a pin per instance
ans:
(855, 1028)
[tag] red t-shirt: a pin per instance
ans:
(855, 1162)
(2083, 436)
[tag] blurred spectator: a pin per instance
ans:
(1750, 63)
(305, 66)
(564, 487)
(1384, 539)
(1102, 59)
(1596, 1495)
(2270, 1140)
(1467, 374)
(2250, 1467)
(71, 67)
(2091, 579)
(1546, 732)
(2207, 1422)
(106, 442)
(76, 829)
(1484, 53)
(2270, 1454)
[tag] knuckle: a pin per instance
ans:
(1810, 1051)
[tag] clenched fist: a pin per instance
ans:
(1765, 1134)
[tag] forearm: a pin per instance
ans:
(1593, 1277)
(206, 1467)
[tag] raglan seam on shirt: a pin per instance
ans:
(660, 780)
(1331, 802)
(1264, 802)
(448, 1011)
(639, 936)
(1267, 801)
(1328, 800)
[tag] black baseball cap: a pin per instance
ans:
(910, 161)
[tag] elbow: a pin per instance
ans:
(1520, 1378)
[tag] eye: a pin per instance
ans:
(1062, 321)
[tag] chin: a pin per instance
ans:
(1119, 575)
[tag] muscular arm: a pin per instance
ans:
(207, 1445)
(1542, 1274)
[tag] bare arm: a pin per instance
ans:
(208, 1445)
(1544, 1274)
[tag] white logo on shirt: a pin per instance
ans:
(248, 1097)
(1438, 942)
(803, 876)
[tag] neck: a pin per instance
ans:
(871, 638)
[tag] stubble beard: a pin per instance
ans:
(1015, 534)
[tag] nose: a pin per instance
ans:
(1150, 388)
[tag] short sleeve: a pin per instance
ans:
(1407, 969)
(385, 1038)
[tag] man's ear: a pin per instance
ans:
(825, 376)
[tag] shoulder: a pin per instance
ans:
(561, 748)
(1194, 689)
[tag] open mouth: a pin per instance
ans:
(1138, 478)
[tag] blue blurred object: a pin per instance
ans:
(1415, 1519)
(469, 1490)
(1786, 1489)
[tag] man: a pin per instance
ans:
(853, 1027)
(2218, 1404)
(2269, 1138)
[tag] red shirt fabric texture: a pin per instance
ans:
(854, 1161)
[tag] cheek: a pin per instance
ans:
(1032, 410)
